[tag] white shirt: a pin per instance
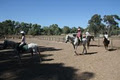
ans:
(23, 40)
(106, 36)
(87, 34)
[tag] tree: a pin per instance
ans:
(55, 29)
(35, 29)
(66, 30)
(8, 27)
(73, 30)
(95, 24)
(111, 23)
(46, 30)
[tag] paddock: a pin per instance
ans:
(60, 63)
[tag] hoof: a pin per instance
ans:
(75, 53)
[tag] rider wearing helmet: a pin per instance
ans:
(23, 40)
(79, 34)
(87, 33)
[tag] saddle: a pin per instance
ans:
(79, 41)
(23, 47)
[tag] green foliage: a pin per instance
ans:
(66, 30)
(73, 30)
(55, 30)
(96, 25)
(111, 23)
(34, 30)
(108, 23)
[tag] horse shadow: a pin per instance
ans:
(112, 49)
(89, 53)
(93, 45)
(10, 55)
(43, 49)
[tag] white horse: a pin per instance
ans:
(31, 47)
(75, 42)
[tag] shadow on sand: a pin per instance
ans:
(112, 49)
(43, 49)
(11, 70)
(90, 53)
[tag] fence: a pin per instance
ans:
(48, 38)
(52, 38)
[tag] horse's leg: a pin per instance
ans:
(75, 50)
(85, 49)
(31, 51)
(38, 51)
(18, 54)
(88, 43)
(107, 47)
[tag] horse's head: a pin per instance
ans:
(66, 38)
(5, 44)
(8, 43)
(93, 38)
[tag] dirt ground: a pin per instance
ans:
(60, 63)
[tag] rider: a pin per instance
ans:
(79, 34)
(87, 33)
(106, 36)
(23, 40)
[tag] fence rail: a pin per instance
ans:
(51, 38)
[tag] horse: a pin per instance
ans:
(89, 40)
(106, 43)
(31, 47)
(8, 43)
(75, 42)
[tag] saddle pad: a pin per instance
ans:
(25, 47)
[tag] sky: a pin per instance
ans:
(72, 13)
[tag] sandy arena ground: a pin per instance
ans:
(60, 63)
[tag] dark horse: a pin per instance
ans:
(106, 43)
(32, 47)
(89, 40)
